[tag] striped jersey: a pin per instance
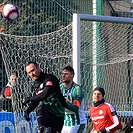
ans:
(75, 92)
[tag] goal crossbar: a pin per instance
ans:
(101, 18)
(76, 35)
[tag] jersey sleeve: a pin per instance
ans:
(7, 92)
(77, 95)
(48, 87)
(115, 119)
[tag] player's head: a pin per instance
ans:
(33, 70)
(12, 79)
(67, 74)
(98, 94)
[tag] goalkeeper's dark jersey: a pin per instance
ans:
(47, 91)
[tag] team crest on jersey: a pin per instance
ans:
(100, 112)
(49, 83)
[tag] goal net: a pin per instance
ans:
(52, 51)
(105, 58)
(100, 48)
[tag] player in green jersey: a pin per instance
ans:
(75, 120)
(48, 100)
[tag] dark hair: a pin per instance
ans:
(101, 90)
(32, 62)
(69, 68)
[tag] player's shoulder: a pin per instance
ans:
(7, 87)
(77, 89)
(109, 105)
(51, 76)
(76, 85)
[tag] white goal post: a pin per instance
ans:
(76, 38)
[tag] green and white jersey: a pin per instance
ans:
(75, 92)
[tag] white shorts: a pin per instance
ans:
(73, 129)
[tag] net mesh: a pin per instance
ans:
(114, 53)
(52, 51)
(107, 54)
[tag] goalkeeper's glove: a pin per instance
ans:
(26, 116)
(25, 101)
(128, 127)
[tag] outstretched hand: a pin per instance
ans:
(127, 128)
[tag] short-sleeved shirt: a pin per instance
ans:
(75, 92)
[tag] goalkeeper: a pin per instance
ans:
(50, 112)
